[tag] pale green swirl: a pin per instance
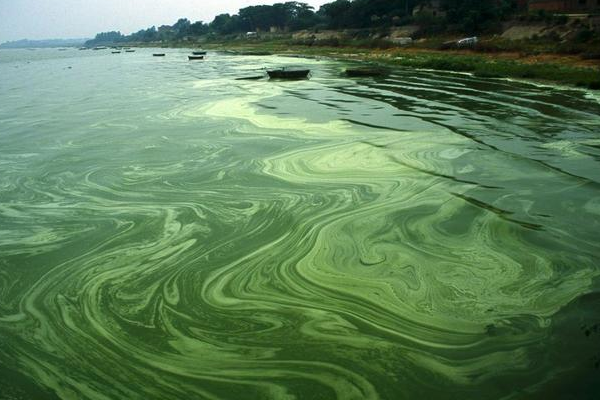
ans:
(182, 234)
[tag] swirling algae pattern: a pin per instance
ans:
(424, 234)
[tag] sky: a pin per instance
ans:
(66, 19)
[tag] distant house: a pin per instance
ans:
(565, 6)
(430, 8)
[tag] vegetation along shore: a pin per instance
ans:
(529, 39)
(564, 70)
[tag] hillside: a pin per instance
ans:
(25, 43)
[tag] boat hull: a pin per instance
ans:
(288, 74)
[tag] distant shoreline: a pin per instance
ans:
(551, 68)
(42, 43)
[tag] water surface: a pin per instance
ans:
(169, 232)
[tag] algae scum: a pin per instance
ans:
(169, 232)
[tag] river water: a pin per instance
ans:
(170, 232)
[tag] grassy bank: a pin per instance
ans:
(556, 69)
(562, 69)
(498, 67)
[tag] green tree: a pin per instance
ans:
(181, 28)
(336, 13)
(106, 38)
(225, 24)
(475, 16)
(198, 28)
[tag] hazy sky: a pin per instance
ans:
(50, 19)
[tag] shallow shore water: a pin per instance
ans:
(170, 232)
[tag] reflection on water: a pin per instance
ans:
(169, 232)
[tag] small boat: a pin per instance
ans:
(129, 51)
(250, 78)
(199, 53)
(191, 58)
(288, 73)
(99, 48)
(364, 72)
(116, 52)
(158, 54)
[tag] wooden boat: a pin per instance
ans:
(191, 58)
(158, 54)
(199, 53)
(129, 51)
(250, 78)
(116, 52)
(364, 72)
(288, 73)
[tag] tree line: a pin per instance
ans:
(468, 16)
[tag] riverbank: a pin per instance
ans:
(568, 70)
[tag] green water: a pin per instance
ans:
(169, 232)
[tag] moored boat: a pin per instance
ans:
(129, 51)
(192, 58)
(288, 73)
(199, 53)
(250, 78)
(158, 54)
(116, 52)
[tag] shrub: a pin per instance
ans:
(584, 35)
(330, 42)
(591, 56)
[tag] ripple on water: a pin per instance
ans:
(181, 234)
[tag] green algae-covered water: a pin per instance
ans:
(169, 232)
